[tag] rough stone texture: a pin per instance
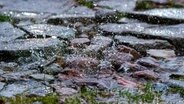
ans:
(53, 69)
(148, 62)
(98, 44)
(117, 58)
(24, 17)
(146, 74)
(123, 48)
(43, 77)
(129, 67)
(51, 6)
(172, 33)
(79, 41)
(24, 87)
(10, 66)
(2, 85)
(166, 16)
(101, 40)
(12, 90)
(81, 62)
(17, 76)
(50, 30)
(142, 45)
(105, 15)
(1, 72)
(79, 13)
(161, 53)
(26, 46)
(110, 28)
(119, 5)
(66, 91)
(175, 64)
(176, 83)
(127, 20)
(8, 32)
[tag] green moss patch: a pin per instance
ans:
(4, 18)
(145, 4)
(148, 95)
(86, 3)
(21, 99)
(177, 90)
(177, 77)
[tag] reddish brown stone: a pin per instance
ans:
(117, 58)
(126, 83)
(123, 48)
(72, 72)
(60, 61)
(81, 62)
(146, 74)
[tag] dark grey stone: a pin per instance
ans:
(160, 16)
(142, 45)
(50, 30)
(172, 33)
(24, 47)
(43, 77)
(79, 13)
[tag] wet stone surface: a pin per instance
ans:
(167, 16)
(2, 85)
(21, 87)
(117, 58)
(79, 13)
(24, 47)
(45, 30)
(161, 53)
(81, 62)
(42, 77)
(8, 32)
(142, 45)
(92, 51)
(53, 6)
(79, 41)
(125, 5)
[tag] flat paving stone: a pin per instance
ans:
(2, 85)
(172, 33)
(79, 13)
(161, 53)
(142, 44)
(50, 6)
(119, 5)
(160, 15)
(123, 28)
(24, 87)
(43, 77)
(79, 41)
(24, 47)
(8, 32)
(50, 30)
(28, 44)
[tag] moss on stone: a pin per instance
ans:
(177, 90)
(145, 4)
(22, 99)
(148, 95)
(4, 18)
(86, 3)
